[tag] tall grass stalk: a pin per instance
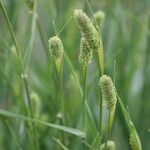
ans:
(83, 102)
(109, 126)
(62, 120)
(109, 96)
(100, 66)
(56, 50)
(100, 62)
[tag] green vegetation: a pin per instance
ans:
(74, 75)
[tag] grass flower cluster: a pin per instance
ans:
(56, 48)
(108, 91)
(88, 30)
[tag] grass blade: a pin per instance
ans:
(73, 131)
(134, 137)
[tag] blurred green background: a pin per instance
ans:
(126, 39)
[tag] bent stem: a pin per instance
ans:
(83, 102)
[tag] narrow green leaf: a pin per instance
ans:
(73, 131)
(134, 137)
(31, 39)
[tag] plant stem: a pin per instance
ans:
(59, 71)
(43, 39)
(109, 126)
(83, 101)
(61, 89)
(107, 131)
(101, 71)
(62, 100)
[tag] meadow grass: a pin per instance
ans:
(53, 101)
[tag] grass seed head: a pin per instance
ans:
(108, 91)
(110, 145)
(99, 17)
(56, 47)
(86, 53)
(88, 31)
(134, 140)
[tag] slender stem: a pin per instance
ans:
(100, 60)
(61, 89)
(101, 71)
(83, 101)
(100, 120)
(43, 39)
(83, 98)
(55, 29)
(32, 125)
(64, 25)
(59, 71)
(109, 126)
(107, 131)
(73, 72)
(62, 100)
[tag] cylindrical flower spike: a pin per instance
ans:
(88, 31)
(86, 53)
(56, 47)
(56, 50)
(108, 91)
